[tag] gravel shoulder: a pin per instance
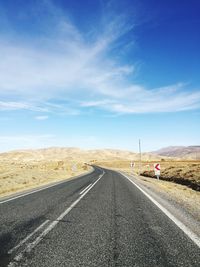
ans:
(180, 200)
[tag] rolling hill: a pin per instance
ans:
(182, 152)
(72, 154)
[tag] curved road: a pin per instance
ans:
(100, 219)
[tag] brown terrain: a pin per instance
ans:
(179, 185)
(26, 169)
(183, 172)
(181, 152)
(179, 164)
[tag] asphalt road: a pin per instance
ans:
(100, 219)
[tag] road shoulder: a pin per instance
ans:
(41, 187)
(179, 200)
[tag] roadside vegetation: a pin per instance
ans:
(181, 172)
(179, 183)
(20, 170)
(16, 176)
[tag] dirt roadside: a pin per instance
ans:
(179, 200)
(17, 177)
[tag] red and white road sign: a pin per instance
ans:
(157, 168)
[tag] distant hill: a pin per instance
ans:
(183, 152)
(73, 154)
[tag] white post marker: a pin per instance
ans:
(74, 167)
(132, 164)
(157, 170)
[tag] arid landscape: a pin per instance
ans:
(99, 140)
(181, 152)
(177, 189)
(17, 176)
(185, 172)
(179, 182)
(26, 169)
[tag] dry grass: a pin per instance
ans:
(183, 195)
(17, 176)
(29, 168)
(183, 172)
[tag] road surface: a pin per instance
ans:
(100, 219)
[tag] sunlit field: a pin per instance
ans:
(183, 172)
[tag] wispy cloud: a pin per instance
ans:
(170, 99)
(64, 65)
(13, 105)
(41, 118)
(97, 103)
(64, 108)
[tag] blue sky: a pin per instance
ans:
(99, 74)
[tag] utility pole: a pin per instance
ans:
(140, 154)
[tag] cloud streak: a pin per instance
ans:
(13, 105)
(64, 65)
(41, 118)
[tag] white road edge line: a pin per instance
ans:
(40, 189)
(31, 245)
(85, 189)
(184, 228)
(32, 192)
(28, 237)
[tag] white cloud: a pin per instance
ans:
(66, 66)
(171, 99)
(41, 118)
(97, 103)
(13, 105)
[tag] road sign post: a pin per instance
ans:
(157, 170)
(74, 167)
(132, 164)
